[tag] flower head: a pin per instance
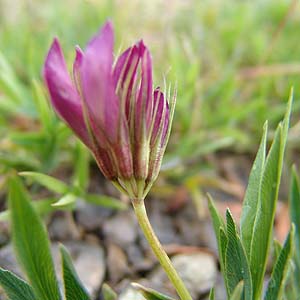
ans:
(113, 108)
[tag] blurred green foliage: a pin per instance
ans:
(233, 63)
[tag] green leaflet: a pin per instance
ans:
(74, 290)
(218, 224)
(66, 201)
(250, 203)
(14, 287)
(236, 263)
(105, 201)
(42, 207)
(295, 218)
(219, 229)
(70, 195)
(279, 273)
(150, 294)
(49, 182)
(264, 216)
(32, 244)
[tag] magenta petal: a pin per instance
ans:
(97, 83)
(158, 98)
(63, 94)
(145, 101)
(120, 65)
(126, 69)
(160, 103)
(76, 68)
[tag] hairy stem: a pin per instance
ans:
(140, 211)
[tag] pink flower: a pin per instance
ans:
(113, 108)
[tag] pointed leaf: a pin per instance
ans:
(223, 245)
(74, 289)
(212, 294)
(105, 201)
(218, 224)
(276, 249)
(49, 182)
(150, 294)
(65, 201)
(280, 270)
(295, 218)
(32, 244)
(15, 287)
(251, 203)
(236, 264)
(42, 207)
(108, 293)
(238, 291)
(264, 218)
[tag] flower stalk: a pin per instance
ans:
(142, 217)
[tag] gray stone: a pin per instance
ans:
(117, 265)
(62, 227)
(121, 228)
(91, 217)
(131, 294)
(8, 260)
(198, 271)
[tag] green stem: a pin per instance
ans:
(140, 211)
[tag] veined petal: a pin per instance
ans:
(63, 94)
(120, 65)
(76, 68)
(145, 94)
(160, 118)
(97, 82)
(125, 75)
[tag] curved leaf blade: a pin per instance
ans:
(32, 244)
(47, 181)
(295, 218)
(279, 273)
(251, 203)
(236, 264)
(108, 293)
(74, 289)
(150, 294)
(262, 227)
(238, 291)
(15, 287)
